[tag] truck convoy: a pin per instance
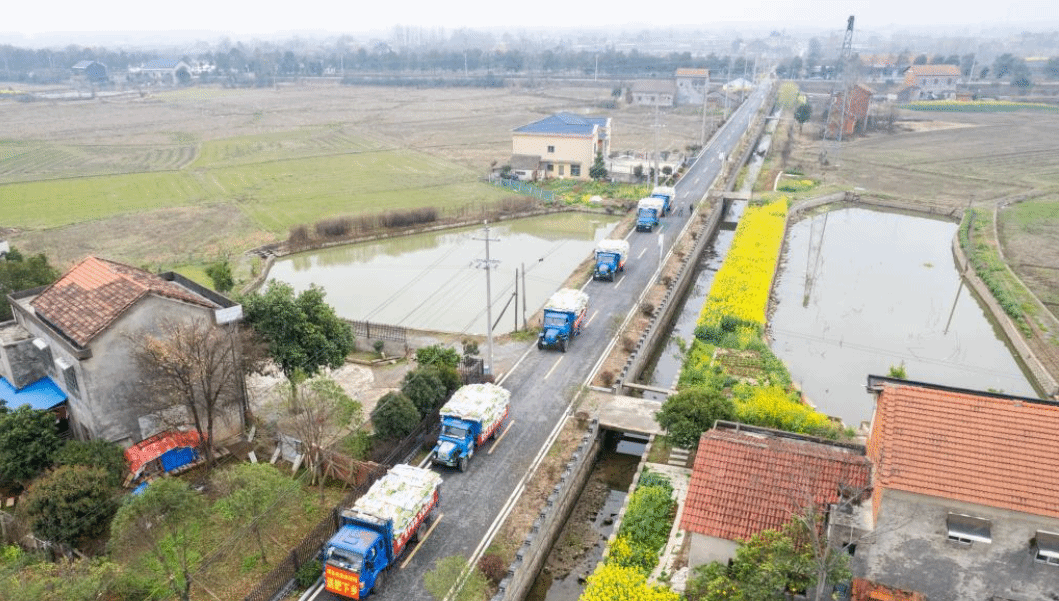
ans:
(668, 194)
(375, 531)
(472, 416)
(649, 210)
(564, 316)
(610, 258)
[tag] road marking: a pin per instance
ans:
(621, 279)
(529, 350)
(492, 447)
(312, 594)
(641, 253)
(591, 318)
(553, 367)
(422, 540)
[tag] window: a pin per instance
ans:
(575, 170)
(967, 529)
(69, 374)
(551, 149)
(551, 167)
(1047, 547)
(561, 169)
(935, 81)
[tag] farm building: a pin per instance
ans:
(965, 497)
(653, 92)
(91, 71)
(933, 81)
(692, 85)
(566, 143)
(856, 113)
(748, 479)
(80, 335)
(165, 70)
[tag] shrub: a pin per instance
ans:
(308, 573)
(493, 567)
(647, 308)
(628, 343)
(101, 454)
(424, 388)
(692, 411)
(607, 377)
(437, 354)
(395, 416)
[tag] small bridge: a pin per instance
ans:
(624, 413)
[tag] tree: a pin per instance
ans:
(424, 388)
(193, 365)
(70, 504)
(437, 354)
(249, 490)
(598, 171)
(221, 274)
(395, 416)
(1051, 68)
(166, 521)
(28, 442)
(302, 332)
(692, 411)
(802, 114)
(18, 273)
(920, 60)
(637, 172)
(100, 454)
(319, 412)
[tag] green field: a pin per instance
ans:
(277, 180)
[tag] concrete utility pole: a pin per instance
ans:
(487, 264)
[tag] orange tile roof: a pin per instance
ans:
(95, 292)
(940, 70)
(988, 449)
(745, 482)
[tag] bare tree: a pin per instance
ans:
(194, 365)
(320, 413)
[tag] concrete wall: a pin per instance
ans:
(529, 559)
(707, 549)
(909, 549)
(21, 361)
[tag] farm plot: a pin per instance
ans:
(1028, 231)
(34, 161)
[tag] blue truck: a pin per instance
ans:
(373, 533)
(564, 316)
(648, 212)
(473, 415)
(610, 258)
(668, 194)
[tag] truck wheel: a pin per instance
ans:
(562, 345)
(539, 345)
(418, 534)
(380, 581)
(463, 464)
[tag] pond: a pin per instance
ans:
(863, 290)
(434, 281)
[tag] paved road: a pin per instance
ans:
(542, 385)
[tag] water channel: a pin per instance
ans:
(862, 290)
(562, 578)
(435, 281)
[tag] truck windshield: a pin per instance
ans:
(347, 560)
(453, 431)
(556, 320)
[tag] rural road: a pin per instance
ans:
(543, 383)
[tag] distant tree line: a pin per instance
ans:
(268, 61)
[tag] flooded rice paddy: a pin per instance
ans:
(861, 291)
(435, 281)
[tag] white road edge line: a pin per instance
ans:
(641, 253)
(557, 362)
(622, 279)
(591, 318)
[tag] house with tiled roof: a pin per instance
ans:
(566, 143)
(692, 85)
(165, 70)
(80, 334)
(854, 116)
(934, 81)
(653, 92)
(748, 479)
(965, 493)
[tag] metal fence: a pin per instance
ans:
(525, 188)
(280, 577)
(379, 331)
(472, 370)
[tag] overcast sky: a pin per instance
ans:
(242, 18)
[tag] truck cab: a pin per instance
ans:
(353, 562)
(556, 332)
(649, 211)
(456, 444)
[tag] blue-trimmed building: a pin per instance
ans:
(564, 144)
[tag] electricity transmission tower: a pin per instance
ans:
(841, 97)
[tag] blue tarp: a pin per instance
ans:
(178, 457)
(42, 394)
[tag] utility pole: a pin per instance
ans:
(524, 326)
(705, 106)
(487, 264)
